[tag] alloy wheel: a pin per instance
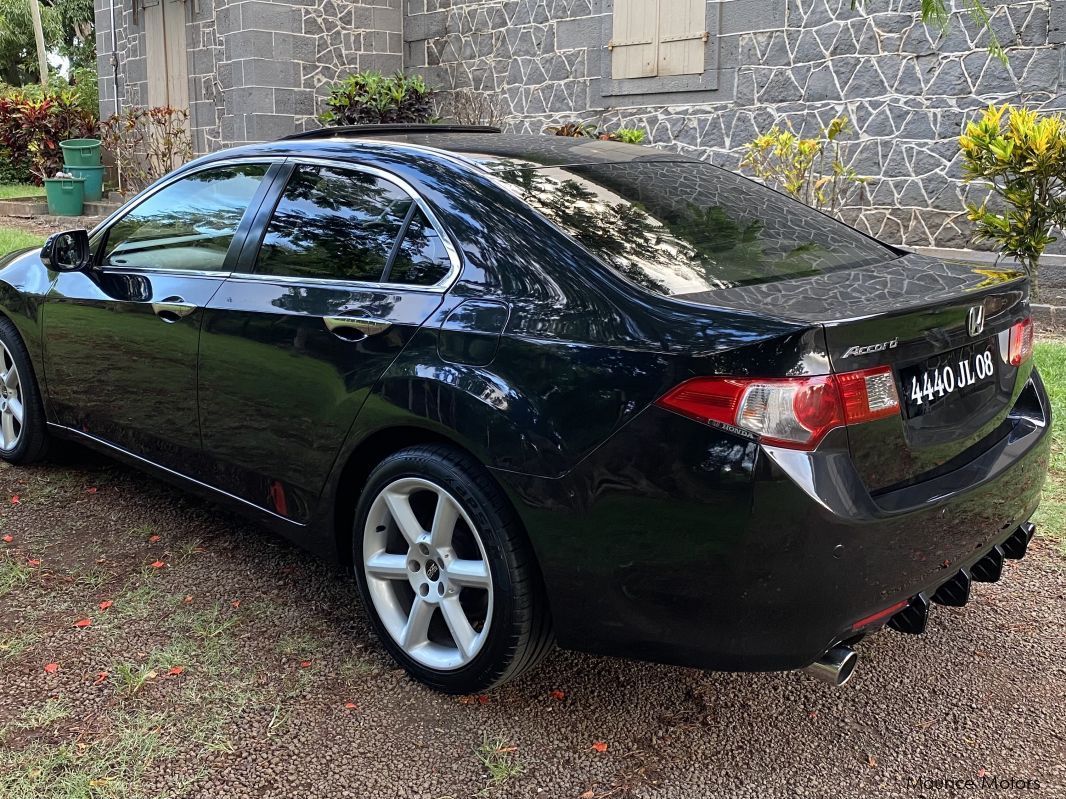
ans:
(12, 411)
(427, 573)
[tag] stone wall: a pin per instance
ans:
(799, 62)
(258, 69)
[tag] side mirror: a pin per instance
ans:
(67, 251)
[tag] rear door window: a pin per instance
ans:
(421, 258)
(333, 223)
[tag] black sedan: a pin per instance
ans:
(538, 389)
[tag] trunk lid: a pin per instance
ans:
(944, 328)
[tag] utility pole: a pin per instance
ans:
(38, 35)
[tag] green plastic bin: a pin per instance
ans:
(66, 196)
(94, 179)
(81, 152)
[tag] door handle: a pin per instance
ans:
(172, 309)
(354, 328)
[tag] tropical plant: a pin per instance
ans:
(147, 143)
(368, 98)
(590, 131)
(812, 171)
(68, 31)
(31, 128)
(1020, 155)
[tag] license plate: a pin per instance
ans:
(926, 386)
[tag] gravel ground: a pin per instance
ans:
(230, 664)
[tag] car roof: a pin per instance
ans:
(484, 150)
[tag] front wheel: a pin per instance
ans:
(446, 573)
(23, 437)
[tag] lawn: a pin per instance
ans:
(1051, 519)
(9, 190)
(16, 240)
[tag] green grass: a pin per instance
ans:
(17, 240)
(9, 190)
(1051, 518)
(497, 757)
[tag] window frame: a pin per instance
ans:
(101, 233)
(253, 242)
(634, 88)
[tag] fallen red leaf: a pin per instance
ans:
(158, 564)
(100, 677)
(304, 664)
(176, 670)
(871, 761)
(15, 499)
(105, 604)
(33, 562)
(589, 794)
(8, 539)
(153, 538)
(482, 699)
(599, 746)
(91, 490)
(83, 622)
(51, 668)
(982, 772)
(236, 603)
(351, 706)
(557, 695)
(187, 600)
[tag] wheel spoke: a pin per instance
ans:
(444, 519)
(458, 625)
(387, 566)
(8, 426)
(16, 410)
(400, 508)
(416, 630)
(470, 573)
(11, 378)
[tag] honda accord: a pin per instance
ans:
(537, 389)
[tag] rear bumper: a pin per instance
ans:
(679, 543)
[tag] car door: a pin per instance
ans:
(334, 280)
(121, 338)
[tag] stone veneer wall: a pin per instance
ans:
(257, 69)
(794, 61)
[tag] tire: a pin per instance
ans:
(484, 569)
(21, 441)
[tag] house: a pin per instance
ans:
(700, 76)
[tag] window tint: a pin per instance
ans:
(421, 259)
(187, 225)
(680, 227)
(333, 223)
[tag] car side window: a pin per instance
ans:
(335, 224)
(188, 224)
(421, 259)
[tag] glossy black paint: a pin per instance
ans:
(657, 536)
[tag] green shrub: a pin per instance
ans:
(370, 98)
(590, 131)
(32, 128)
(1020, 155)
(812, 171)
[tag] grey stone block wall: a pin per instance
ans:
(258, 69)
(797, 62)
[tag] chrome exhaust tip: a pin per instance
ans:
(836, 666)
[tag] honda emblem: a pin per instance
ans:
(976, 320)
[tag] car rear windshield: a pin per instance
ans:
(684, 227)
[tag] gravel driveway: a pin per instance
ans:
(230, 664)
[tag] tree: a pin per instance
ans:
(68, 31)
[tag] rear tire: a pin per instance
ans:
(23, 434)
(446, 573)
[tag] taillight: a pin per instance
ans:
(794, 412)
(1021, 342)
